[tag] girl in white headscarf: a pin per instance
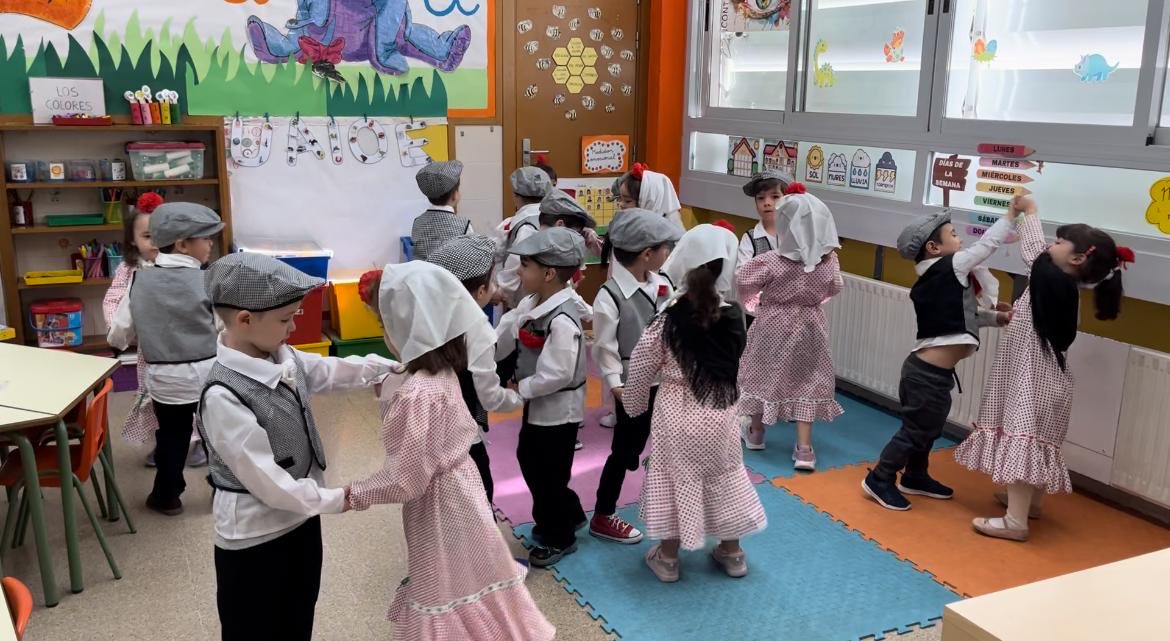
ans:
(462, 581)
(650, 190)
(696, 485)
(786, 373)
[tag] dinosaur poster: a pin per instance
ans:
(281, 57)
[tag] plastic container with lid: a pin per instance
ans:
(305, 255)
(58, 322)
(351, 318)
(166, 160)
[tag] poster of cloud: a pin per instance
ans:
(281, 57)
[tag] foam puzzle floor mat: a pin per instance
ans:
(1074, 533)
(857, 435)
(809, 578)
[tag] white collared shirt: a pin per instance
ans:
(481, 362)
(507, 278)
(605, 318)
(966, 262)
(548, 402)
(172, 383)
(275, 502)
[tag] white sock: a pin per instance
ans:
(1019, 501)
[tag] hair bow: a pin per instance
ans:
(1125, 256)
(638, 169)
(314, 51)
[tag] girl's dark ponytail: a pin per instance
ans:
(1104, 262)
(701, 293)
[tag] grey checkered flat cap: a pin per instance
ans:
(468, 256)
(255, 282)
(531, 182)
(637, 229)
(752, 187)
(437, 179)
(558, 203)
(554, 247)
(915, 235)
(172, 222)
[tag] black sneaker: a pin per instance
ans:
(543, 556)
(884, 493)
(923, 485)
(174, 507)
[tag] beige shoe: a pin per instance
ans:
(1034, 511)
(665, 569)
(984, 527)
(735, 565)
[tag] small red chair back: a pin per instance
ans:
(96, 423)
(20, 603)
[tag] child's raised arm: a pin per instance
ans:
(1032, 241)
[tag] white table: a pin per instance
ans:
(1125, 600)
(39, 387)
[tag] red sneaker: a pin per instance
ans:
(614, 528)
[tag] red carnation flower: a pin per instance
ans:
(795, 188)
(725, 225)
(148, 202)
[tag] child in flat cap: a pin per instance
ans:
(624, 307)
(169, 315)
(786, 373)
(529, 187)
(439, 182)
(471, 259)
(265, 453)
(768, 190)
(541, 346)
(953, 298)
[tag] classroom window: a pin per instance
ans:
(1058, 61)
(1166, 102)
(749, 58)
(864, 56)
(1131, 201)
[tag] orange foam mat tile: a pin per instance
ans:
(1075, 533)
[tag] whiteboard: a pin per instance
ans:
(357, 210)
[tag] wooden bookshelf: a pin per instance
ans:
(208, 130)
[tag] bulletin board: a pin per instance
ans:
(353, 197)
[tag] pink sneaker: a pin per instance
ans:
(804, 458)
(665, 569)
(752, 440)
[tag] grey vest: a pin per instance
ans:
(528, 222)
(527, 356)
(634, 316)
(434, 227)
(283, 412)
(172, 315)
(760, 244)
(944, 306)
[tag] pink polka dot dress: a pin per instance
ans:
(141, 422)
(1027, 400)
(463, 582)
(696, 485)
(786, 373)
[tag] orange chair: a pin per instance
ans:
(82, 456)
(20, 603)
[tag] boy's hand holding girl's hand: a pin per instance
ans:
(1004, 313)
(618, 392)
(347, 507)
(1021, 205)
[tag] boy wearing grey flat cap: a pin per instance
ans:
(472, 260)
(439, 182)
(624, 307)
(541, 346)
(529, 187)
(265, 452)
(167, 311)
(953, 297)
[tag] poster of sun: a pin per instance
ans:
(252, 57)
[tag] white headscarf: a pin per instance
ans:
(657, 194)
(806, 230)
(699, 246)
(424, 307)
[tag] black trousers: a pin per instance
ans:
(625, 452)
(925, 395)
(172, 441)
(545, 454)
(479, 454)
(269, 592)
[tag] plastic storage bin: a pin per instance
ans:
(351, 319)
(305, 255)
(360, 347)
(308, 319)
(81, 170)
(320, 348)
(57, 322)
(22, 171)
(166, 160)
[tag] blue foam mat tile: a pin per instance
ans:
(809, 578)
(856, 436)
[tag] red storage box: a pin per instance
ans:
(308, 319)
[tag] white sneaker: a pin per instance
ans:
(578, 446)
(609, 420)
(196, 457)
(750, 442)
